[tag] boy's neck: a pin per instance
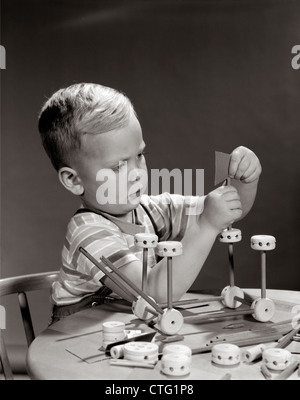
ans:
(129, 217)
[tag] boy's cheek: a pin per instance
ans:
(112, 188)
(121, 191)
(137, 189)
(129, 187)
(106, 193)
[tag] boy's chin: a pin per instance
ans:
(118, 210)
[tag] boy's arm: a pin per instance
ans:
(196, 243)
(221, 208)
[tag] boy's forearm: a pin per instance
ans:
(197, 244)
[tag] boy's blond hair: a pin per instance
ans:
(83, 108)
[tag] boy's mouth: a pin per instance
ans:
(135, 195)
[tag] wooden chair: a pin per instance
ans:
(20, 285)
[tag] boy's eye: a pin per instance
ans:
(122, 164)
(141, 154)
(119, 166)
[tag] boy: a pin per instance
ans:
(94, 140)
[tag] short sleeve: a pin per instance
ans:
(99, 242)
(99, 237)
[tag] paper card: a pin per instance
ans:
(294, 347)
(222, 161)
(87, 351)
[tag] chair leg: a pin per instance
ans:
(27, 322)
(4, 360)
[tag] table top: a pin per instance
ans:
(71, 348)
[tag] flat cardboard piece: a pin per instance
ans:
(87, 351)
(221, 166)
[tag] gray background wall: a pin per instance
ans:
(203, 75)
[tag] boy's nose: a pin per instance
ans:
(135, 175)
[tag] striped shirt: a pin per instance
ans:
(101, 234)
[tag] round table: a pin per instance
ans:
(70, 348)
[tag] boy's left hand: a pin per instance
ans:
(244, 165)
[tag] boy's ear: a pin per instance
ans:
(70, 180)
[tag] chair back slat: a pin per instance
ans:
(26, 317)
(4, 360)
(19, 285)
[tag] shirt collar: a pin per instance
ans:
(124, 226)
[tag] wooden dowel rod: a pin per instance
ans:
(145, 266)
(131, 363)
(115, 279)
(203, 300)
(132, 285)
(151, 311)
(287, 372)
(231, 264)
(170, 283)
(192, 301)
(242, 300)
(263, 275)
(120, 284)
(288, 338)
(215, 314)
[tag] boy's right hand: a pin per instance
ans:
(222, 207)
